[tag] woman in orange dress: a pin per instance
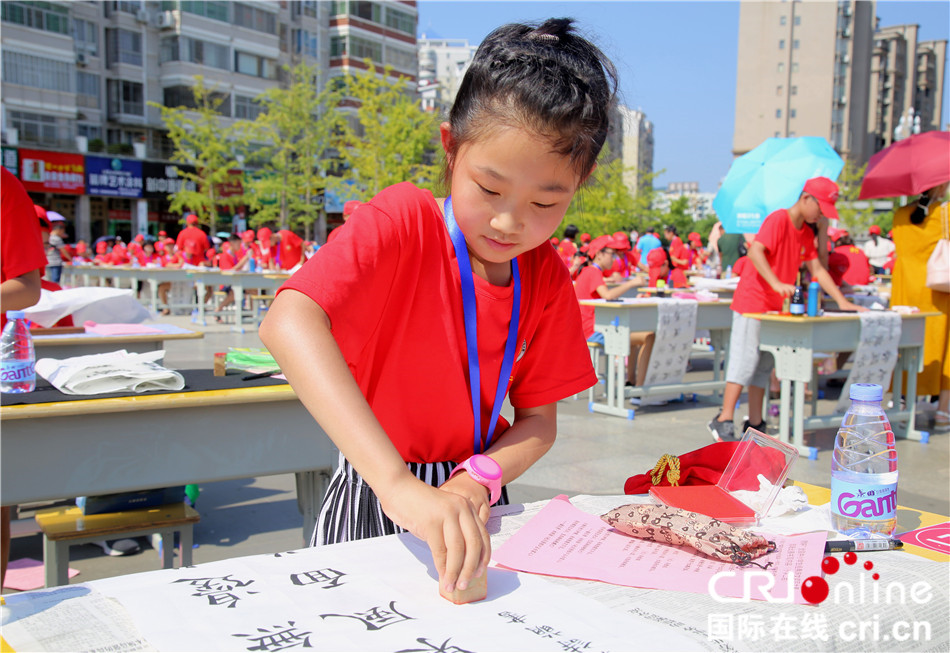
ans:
(917, 228)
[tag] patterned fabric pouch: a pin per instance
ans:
(668, 525)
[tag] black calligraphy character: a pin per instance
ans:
(285, 553)
(326, 577)
(376, 618)
(218, 590)
(544, 631)
(573, 645)
(512, 617)
(434, 648)
(278, 639)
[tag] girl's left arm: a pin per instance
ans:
(530, 436)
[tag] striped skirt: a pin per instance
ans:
(351, 510)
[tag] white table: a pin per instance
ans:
(616, 320)
(101, 446)
(793, 341)
(82, 344)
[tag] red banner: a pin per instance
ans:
(52, 172)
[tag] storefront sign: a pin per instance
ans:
(162, 179)
(11, 160)
(52, 172)
(113, 177)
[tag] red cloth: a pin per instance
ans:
(785, 249)
(588, 281)
(740, 265)
(291, 249)
(192, 243)
(21, 246)
(859, 269)
(390, 286)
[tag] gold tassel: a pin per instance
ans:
(672, 465)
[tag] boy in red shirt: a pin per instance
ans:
(289, 249)
(192, 241)
(783, 242)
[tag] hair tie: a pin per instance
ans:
(544, 37)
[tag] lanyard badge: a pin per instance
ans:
(471, 331)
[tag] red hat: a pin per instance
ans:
(695, 237)
(350, 206)
(248, 236)
(169, 241)
(191, 218)
(263, 235)
(874, 230)
(621, 241)
(657, 257)
(140, 238)
(162, 234)
(585, 237)
(826, 192)
(44, 220)
(600, 243)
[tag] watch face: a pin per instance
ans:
(485, 466)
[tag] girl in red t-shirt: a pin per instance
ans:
(379, 314)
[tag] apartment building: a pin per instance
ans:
(804, 70)
(78, 77)
(631, 139)
(699, 205)
(906, 90)
(442, 65)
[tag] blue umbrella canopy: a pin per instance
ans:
(771, 177)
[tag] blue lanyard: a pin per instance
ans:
(469, 311)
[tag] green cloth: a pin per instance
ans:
(729, 249)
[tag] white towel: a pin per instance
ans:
(876, 354)
(117, 371)
(675, 331)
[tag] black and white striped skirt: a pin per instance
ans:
(351, 510)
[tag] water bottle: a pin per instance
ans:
(17, 360)
(797, 305)
(864, 468)
(728, 274)
(814, 294)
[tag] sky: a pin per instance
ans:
(676, 62)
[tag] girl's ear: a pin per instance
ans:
(448, 142)
(587, 176)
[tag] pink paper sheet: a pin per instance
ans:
(562, 540)
(27, 574)
(120, 329)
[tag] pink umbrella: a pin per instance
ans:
(908, 167)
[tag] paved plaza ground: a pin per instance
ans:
(594, 454)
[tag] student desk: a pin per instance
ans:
(616, 320)
(352, 596)
(100, 446)
(267, 280)
(82, 344)
(793, 341)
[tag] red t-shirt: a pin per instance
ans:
(390, 286)
(291, 249)
(679, 250)
(21, 246)
(859, 269)
(588, 281)
(675, 278)
(785, 249)
(192, 243)
(225, 260)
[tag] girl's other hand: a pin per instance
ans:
(448, 522)
(464, 485)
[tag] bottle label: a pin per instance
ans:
(17, 370)
(864, 501)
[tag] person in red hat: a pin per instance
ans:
(659, 262)
(170, 259)
(591, 284)
(267, 248)
(679, 253)
(192, 241)
(289, 249)
(22, 259)
(877, 248)
(348, 208)
(859, 268)
(621, 268)
(784, 241)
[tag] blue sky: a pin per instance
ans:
(676, 60)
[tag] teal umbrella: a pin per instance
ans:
(771, 177)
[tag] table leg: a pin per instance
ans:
(616, 348)
(153, 294)
(168, 547)
(784, 412)
(798, 430)
(200, 289)
(55, 562)
(186, 537)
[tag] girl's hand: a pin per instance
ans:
(448, 522)
(464, 485)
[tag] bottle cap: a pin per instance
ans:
(15, 315)
(866, 392)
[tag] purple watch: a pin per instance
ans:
(483, 470)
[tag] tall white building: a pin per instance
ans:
(631, 140)
(442, 64)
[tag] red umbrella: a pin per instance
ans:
(908, 167)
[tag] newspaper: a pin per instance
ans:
(904, 610)
(117, 371)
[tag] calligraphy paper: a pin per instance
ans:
(562, 540)
(876, 354)
(675, 330)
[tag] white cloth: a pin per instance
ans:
(876, 354)
(878, 252)
(117, 371)
(103, 305)
(675, 330)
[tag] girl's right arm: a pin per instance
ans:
(297, 331)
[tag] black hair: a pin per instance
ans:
(671, 229)
(844, 241)
(919, 213)
(545, 78)
(571, 231)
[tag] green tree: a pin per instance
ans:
(388, 138)
(605, 204)
(291, 136)
(856, 219)
(201, 139)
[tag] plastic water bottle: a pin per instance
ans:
(728, 273)
(17, 360)
(814, 294)
(864, 468)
